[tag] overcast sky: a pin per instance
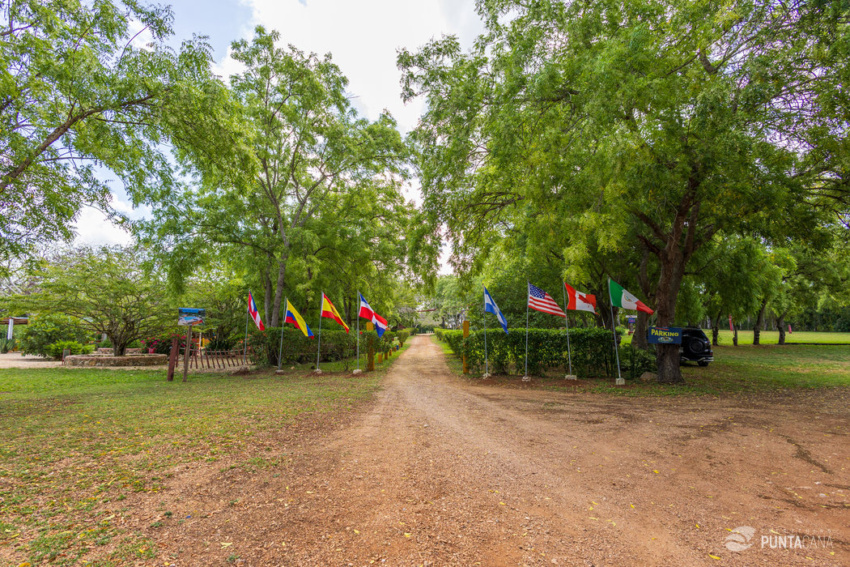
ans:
(362, 37)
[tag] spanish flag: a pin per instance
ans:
(292, 316)
(329, 311)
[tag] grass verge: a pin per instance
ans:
(77, 443)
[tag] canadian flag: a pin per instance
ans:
(578, 301)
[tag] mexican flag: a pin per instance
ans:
(625, 300)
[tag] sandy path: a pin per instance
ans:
(441, 472)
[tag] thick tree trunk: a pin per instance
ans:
(639, 338)
(278, 294)
(759, 323)
(669, 282)
(780, 322)
(715, 329)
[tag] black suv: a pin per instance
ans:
(695, 347)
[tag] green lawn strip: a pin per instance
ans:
(745, 338)
(77, 439)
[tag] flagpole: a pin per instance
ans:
(357, 314)
(319, 352)
(245, 351)
(282, 323)
(526, 378)
(567, 320)
(620, 381)
(486, 372)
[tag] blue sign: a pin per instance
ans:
(664, 336)
(190, 316)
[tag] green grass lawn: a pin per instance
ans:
(77, 442)
(772, 337)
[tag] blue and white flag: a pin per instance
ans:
(491, 307)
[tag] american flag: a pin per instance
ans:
(542, 301)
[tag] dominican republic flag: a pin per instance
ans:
(578, 301)
(542, 301)
(255, 315)
(491, 307)
(367, 313)
(625, 300)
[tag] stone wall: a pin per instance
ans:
(100, 360)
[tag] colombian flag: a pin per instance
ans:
(292, 316)
(329, 311)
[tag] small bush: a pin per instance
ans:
(402, 336)
(7, 345)
(56, 349)
(45, 330)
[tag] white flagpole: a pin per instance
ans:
(357, 314)
(247, 313)
(620, 381)
(527, 290)
(486, 371)
(319, 351)
(567, 320)
(282, 323)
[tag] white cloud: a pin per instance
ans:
(363, 38)
(95, 229)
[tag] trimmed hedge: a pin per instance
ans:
(336, 345)
(592, 353)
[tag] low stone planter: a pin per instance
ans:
(101, 360)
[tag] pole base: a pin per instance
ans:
(356, 371)
(485, 376)
(317, 372)
(570, 377)
(526, 378)
(620, 382)
(281, 371)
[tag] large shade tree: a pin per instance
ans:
(80, 91)
(651, 125)
(111, 290)
(325, 195)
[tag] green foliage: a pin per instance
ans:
(592, 353)
(109, 291)
(79, 92)
(7, 345)
(45, 330)
(336, 345)
(325, 197)
(402, 336)
(603, 137)
(56, 349)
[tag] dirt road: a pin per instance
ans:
(438, 471)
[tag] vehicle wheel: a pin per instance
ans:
(702, 363)
(696, 346)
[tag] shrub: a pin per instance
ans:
(297, 348)
(221, 343)
(45, 330)
(638, 361)
(592, 351)
(7, 345)
(56, 349)
(402, 336)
